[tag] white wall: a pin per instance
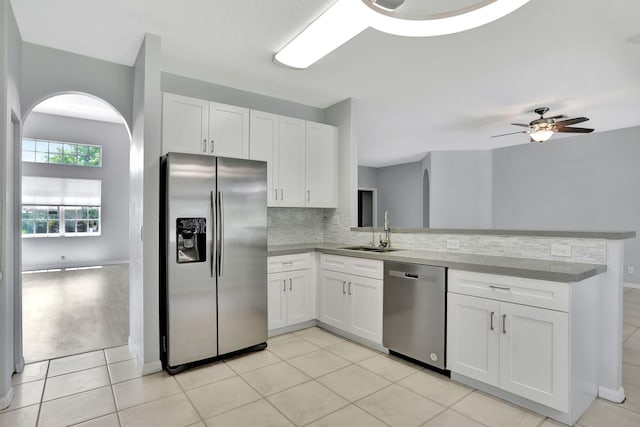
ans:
(587, 182)
(47, 71)
(144, 205)
(461, 189)
(112, 246)
(10, 283)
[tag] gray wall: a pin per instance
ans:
(461, 189)
(367, 177)
(113, 245)
(400, 193)
(10, 283)
(590, 182)
(47, 71)
(226, 95)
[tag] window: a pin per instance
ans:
(61, 207)
(61, 153)
(53, 221)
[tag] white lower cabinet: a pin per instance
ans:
(517, 348)
(350, 302)
(291, 290)
(288, 296)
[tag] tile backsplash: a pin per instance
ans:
(289, 225)
(295, 225)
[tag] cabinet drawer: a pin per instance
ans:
(537, 293)
(276, 264)
(351, 265)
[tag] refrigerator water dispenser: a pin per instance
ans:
(191, 237)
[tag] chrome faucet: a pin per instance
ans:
(386, 243)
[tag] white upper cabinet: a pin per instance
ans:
(263, 134)
(301, 156)
(228, 131)
(321, 165)
(185, 124)
(291, 162)
(197, 126)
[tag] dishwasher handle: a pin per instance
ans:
(413, 276)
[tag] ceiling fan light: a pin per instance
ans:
(541, 135)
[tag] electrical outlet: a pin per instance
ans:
(62, 257)
(335, 220)
(561, 250)
(453, 244)
(631, 269)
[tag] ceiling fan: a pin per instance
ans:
(543, 128)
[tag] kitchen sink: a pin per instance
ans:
(369, 249)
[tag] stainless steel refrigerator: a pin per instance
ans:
(213, 295)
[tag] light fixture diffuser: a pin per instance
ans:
(347, 18)
(541, 135)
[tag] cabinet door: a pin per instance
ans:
(291, 162)
(321, 165)
(299, 296)
(185, 123)
(333, 298)
(228, 131)
(277, 300)
(365, 307)
(534, 354)
(263, 145)
(472, 337)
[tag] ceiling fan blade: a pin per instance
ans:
(520, 124)
(565, 129)
(569, 122)
(510, 133)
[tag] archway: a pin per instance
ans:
(75, 147)
(425, 199)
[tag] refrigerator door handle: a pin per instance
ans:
(220, 233)
(212, 250)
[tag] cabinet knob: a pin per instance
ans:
(504, 323)
(343, 285)
(349, 287)
(204, 145)
(308, 195)
(281, 194)
(491, 326)
(212, 146)
(290, 284)
(275, 190)
(284, 285)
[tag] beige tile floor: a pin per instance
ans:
(74, 311)
(310, 377)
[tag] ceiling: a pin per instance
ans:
(80, 106)
(415, 95)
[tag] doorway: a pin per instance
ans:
(367, 207)
(72, 197)
(425, 199)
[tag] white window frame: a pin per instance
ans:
(62, 222)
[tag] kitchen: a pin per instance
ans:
(169, 79)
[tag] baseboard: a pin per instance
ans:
(632, 285)
(19, 365)
(615, 396)
(292, 328)
(152, 367)
(26, 268)
(6, 400)
(144, 368)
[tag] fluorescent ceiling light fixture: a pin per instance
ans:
(347, 18)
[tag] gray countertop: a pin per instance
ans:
(607, 235)
(555, 271)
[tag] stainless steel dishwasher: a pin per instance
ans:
(414, 311)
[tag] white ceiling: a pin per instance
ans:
(415, 94)
(79, 106)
